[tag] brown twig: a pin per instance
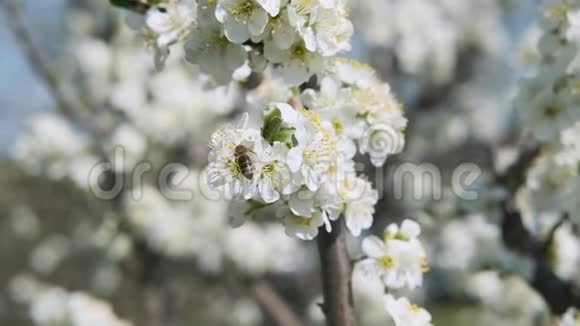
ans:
(276, 307)
(336, 273)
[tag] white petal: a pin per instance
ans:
(392, 229)
(329, 87)
(157, 21)
(294, 73)
(333, 212)
(236, 32)
(235, 56)
(373, 247)
(221, 14)
(294, 159)
(267, 191)
(391, 304)
(369, 268)
(410, 229)
(309, 39)
(288, 113)
(279, 151)
(271, 6)
(309, 98)
(301, 207)
(258, 22)
(284, 37)
(310, 178)
(328, 3)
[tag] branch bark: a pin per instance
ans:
(336, 271)
(558, 294)
(276, 307)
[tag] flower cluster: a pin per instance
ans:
(549, 106)
(234, 37)
(302, 156)
(51, 146)
(399, 260)
(293, 150)
(549, 101)
(298, 163)
(360, 107)
(55, 306)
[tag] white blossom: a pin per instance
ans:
(399, 260)
(273, 175)
(210, 49)
(55, 306)
(243, 19)
(296, 64)
(170, 21)
(405, 313)
(570, 318)
(223, 169)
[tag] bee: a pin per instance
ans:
(244, 162)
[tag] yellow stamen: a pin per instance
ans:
(387, 261)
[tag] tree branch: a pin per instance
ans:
(336, 273)
(558, 294)
(69, 107)
(276, 307)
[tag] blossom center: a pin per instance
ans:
(243, 8)
(299, 52)
(300, 220)
(387, 261)
(425, 265)
(414, 308)
(303, 6)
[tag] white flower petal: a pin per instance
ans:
(300, 206)
(373, 246)
(257, 23)
(271, 6)
(369, 268)
(267, 191)
(236, 32)
(294, 159)
(410, 229)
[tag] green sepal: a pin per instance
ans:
(272, 125)
(253, 206)
(286, 136)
